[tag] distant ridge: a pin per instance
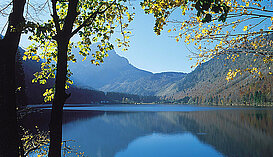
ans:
(116, 74)
(207, 84)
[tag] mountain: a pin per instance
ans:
(116, 74)
(115, 69)
(208, 84)
(148, 85)
(32, 93)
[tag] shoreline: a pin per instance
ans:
(148, 105)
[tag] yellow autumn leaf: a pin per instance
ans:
(247, 4)
(19, 88)
(24, 58)
(245, 28)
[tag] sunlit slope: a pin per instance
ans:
(208, 81)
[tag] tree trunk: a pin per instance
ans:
(63, 37)
(8, 122)
(59, 100)
(9, 136)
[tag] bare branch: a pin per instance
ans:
(4, 8)
(121, 29)
(259, 15)
(257, 24)
(2, 31)
(55, 16)
(271, 11)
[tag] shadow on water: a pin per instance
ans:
(108, 134)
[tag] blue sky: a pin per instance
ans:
(155, 53)
(147, 50)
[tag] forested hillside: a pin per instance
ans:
(207, 84)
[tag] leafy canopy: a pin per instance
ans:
(96, 21)
(216, 27)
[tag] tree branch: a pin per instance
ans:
(93, 16)
(55, 16)
(259, 9)
(259, 15)
(69, 20)
(1, 11)
(42, 143)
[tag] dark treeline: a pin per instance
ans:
(255, 98)
(87, 96)
(115, 97)
(32, 93)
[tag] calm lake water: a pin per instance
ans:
(164, 130)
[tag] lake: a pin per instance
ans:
(164, 130)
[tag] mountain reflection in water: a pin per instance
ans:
(235, 132)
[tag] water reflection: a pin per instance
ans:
(161, 145)
(211, 133)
